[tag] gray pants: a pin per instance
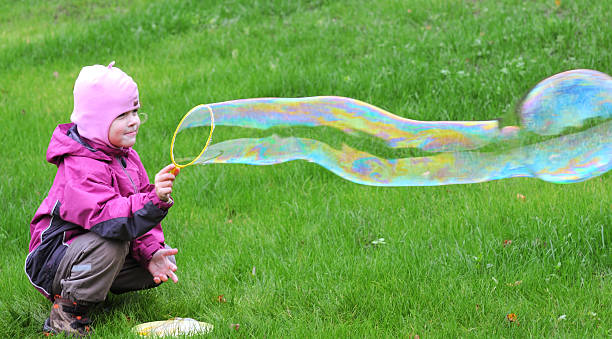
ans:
(93, 266)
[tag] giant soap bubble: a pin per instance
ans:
(568, 113)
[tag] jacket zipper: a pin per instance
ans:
(123, 166)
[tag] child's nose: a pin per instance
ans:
(134, 119)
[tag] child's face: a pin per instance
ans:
(123, 130)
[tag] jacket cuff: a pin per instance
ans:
(164, 205)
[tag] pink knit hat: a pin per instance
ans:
(100, 95)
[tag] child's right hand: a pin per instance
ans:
(163, 182)
(161, 268)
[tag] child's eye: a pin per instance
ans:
(125, 115)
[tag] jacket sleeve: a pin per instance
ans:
(147, 244)
(145, 183)
(91, 201)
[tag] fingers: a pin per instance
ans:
(163, 194)
(168, 168)
(163, 190)
(173, 277)
(171, 169)
(167, 173)
(161, 268)
(158, 279)
(168, 251)
(164, 179)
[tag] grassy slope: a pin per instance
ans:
(443, 270)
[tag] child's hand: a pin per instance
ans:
(163, 182)
(161, 268)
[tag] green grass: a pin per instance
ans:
(443, 271)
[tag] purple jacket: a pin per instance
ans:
(96, 189)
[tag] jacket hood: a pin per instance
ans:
(66, 141)
(101, 94)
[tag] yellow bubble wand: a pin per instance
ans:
(178, 128)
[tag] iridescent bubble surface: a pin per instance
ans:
(565, 100)
(455, 148)
(348, 115)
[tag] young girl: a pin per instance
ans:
(98, 229)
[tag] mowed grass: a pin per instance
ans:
(291, 248)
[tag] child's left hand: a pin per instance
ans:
(161, 268)
(164, 180)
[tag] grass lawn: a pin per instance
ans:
(290, 247)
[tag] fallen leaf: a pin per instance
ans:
(511, 317)
(221, 298)
(516, 283)
(520, 196)
(235, 326)
(507, 242)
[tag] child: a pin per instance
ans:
(98, 229)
